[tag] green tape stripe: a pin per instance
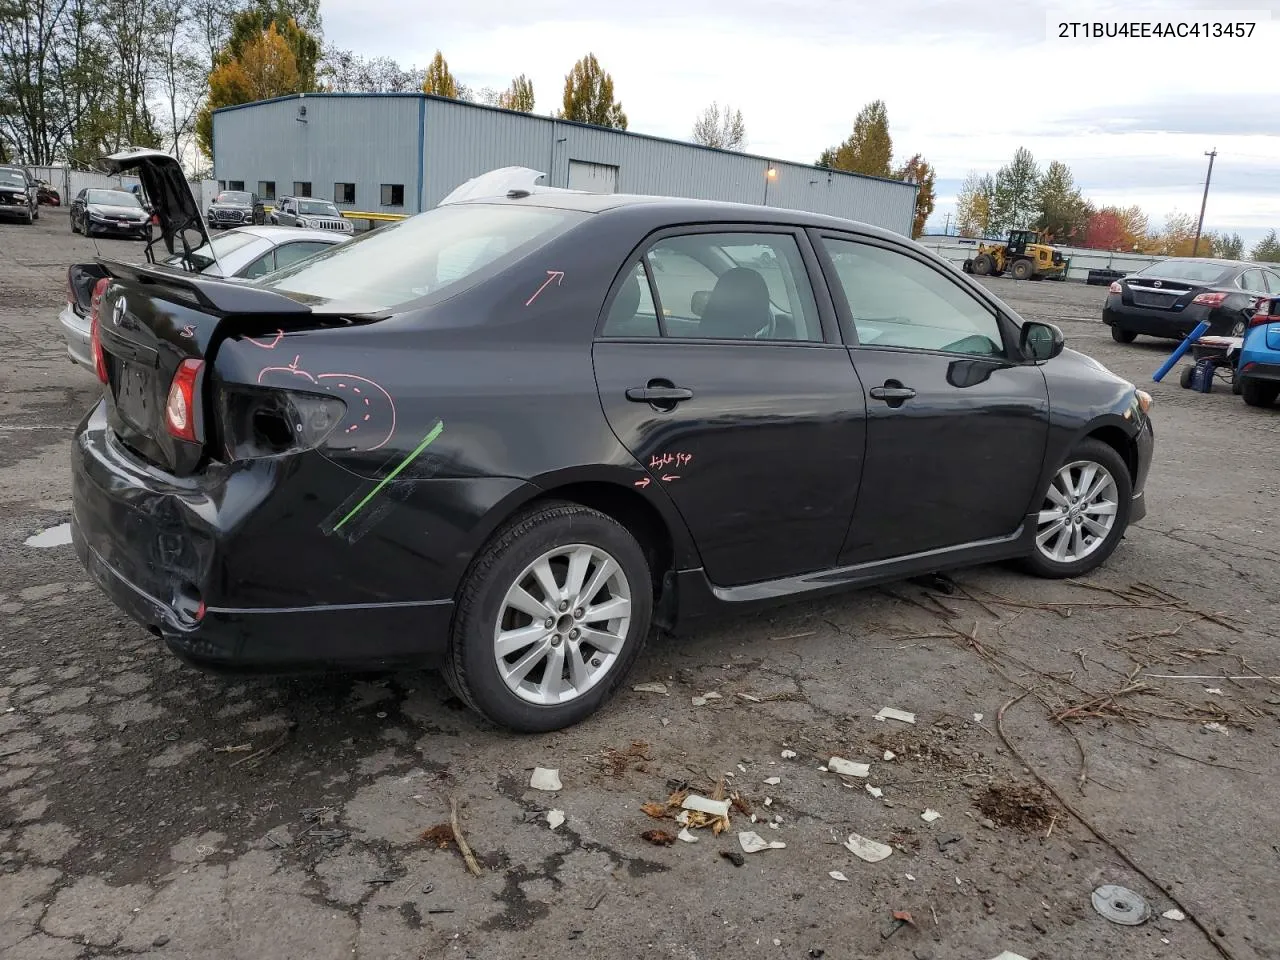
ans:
(417, 452)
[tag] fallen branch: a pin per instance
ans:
(472, 864)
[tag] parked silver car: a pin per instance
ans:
(309, 212)
(244, 252)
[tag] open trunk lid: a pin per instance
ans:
(182, 226)
(149, 321)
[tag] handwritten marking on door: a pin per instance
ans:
(643, 482)
(556, 275)
(660, 461)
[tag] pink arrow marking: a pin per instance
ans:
(668, 477)
(642, 483)
(556, 275)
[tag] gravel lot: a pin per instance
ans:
(150, 810)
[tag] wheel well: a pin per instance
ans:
(1121, 443)
(631, 510)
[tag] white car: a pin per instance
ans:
(245, 252)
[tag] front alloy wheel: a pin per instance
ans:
(1084, 513)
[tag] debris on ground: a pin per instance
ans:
(546, 779)
(752, 842)
(875, 791)
(741, 805)
(1216, 727)
(773, 781)
(889, 755)
(238, 748)
(868, 850)
(555, 818)
(788, 754)
(441, 835)
(1120, 905)
(686, 836)
(470, 858)
(847, 768)
(1019, 806)
(1007, 955)
(893, 713)
(653, 687)
(930, 815)
(618, 762)
(734, 857)
(837, 875)
(59, 536)
(700, 804)
(659, 838)
(656, 810)
(977, 718)
(703, 700)
(1174, 914)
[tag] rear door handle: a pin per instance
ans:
(891, 394)
(659, 394)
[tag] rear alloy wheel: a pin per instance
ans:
(1239, 327)
(550, 618)
(1023, 269)
(1121, 335)
(1259, 393)
(1084, 513)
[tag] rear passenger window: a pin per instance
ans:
(632, 313)
(734, 286)
(897, 301)
(291, 253)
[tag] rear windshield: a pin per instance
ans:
(1197, 271)
(422, 256)
(219, 246)
(318, 207)
(112, 198)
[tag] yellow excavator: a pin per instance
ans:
(1025, 256)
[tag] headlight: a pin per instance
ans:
(1144, 400)
(309, 223)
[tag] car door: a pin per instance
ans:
(956, 426)
(719, 369)
(77, 207)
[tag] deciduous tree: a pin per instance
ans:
(919, 171)
(1063, 213)
(588, 96)
(1267, 249)
(869, 148)
(518, 96)
(1106, 231)
(1013, 202)
(973, 205)
(439, 80)
(725, 129)
(265, 68)
(1228, 246)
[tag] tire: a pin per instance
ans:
(1259, 393)
(1238, 328)
(471, 665)
(1023, 269)
(1184, 378)
(1121, 335)
(1088, 453)
(35, 213)
(983, 265)
(74, 228)
(1236, 383)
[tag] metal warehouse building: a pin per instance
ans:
(402, 153)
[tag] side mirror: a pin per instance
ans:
(1040, 341)
(698, 302)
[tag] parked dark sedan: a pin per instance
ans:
(311, 213)
(235, 208)
(18, 195)
(511, 433)
(116, 213)
(1170, 298)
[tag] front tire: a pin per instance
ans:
(983, 265)
(1259, 393)
(1121, 335)
(1084, 513)
(525, 651)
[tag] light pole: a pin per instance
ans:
(1195, 247)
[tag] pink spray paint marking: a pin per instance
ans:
(556, 275)
(380, 408)
(267, 346)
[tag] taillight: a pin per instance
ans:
(180, 408)
(1210, 299)
(1115, 287)
(1261, 317)
(95, 337)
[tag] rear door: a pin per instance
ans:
(956, 429)
(719, 369)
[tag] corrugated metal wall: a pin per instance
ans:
(367, 141)
(371, 140)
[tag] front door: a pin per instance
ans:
(715, 374)
(956, 425)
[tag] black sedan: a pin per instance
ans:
(512, 433)
(235, 208)
(1170, 298)
(114, 213)
(18, 196)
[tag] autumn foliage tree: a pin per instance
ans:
(973, 205)
(725, 129)
(868, 149)
(919, 171)
(588, 96)
(518, 96)
(266, 67)
(439, 80)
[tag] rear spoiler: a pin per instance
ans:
(221, 296)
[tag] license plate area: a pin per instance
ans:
(1159, 300)
(136, 396)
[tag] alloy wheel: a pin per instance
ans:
(1079, 512)
(562, 624)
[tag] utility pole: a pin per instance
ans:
(946, 229)
(1195, 247)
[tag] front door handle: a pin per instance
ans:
(893, 393)
(659, 394)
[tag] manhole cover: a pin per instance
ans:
(1120, 905)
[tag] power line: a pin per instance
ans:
(1195, 247)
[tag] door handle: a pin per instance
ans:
(892, 392)
(659, 394)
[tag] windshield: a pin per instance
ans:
(231, 196)
(221, 245)
(1197, 271)
(318, 208)
(12, 178)
(423, 255)
(113, 198)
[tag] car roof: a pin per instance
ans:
(279, 235)
(682, 210)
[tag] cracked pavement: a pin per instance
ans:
(149, 810)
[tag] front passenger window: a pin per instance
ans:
(898, 301)
(260, 267)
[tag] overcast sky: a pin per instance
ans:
(965, 84)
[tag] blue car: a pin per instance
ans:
(1259, 370)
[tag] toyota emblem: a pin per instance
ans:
(117, 312)
(1154, 283)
